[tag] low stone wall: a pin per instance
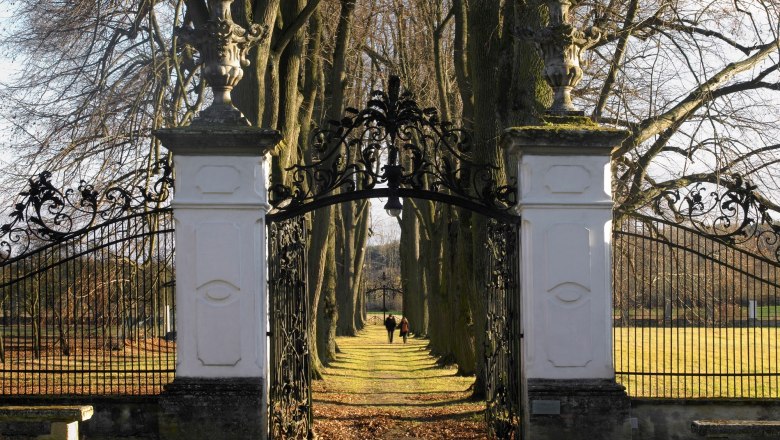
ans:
(125, 418)
(671, 419)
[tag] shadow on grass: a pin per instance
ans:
(404, 404)
(466, 415)
(373, 393)
(396, 365)
(389, 379)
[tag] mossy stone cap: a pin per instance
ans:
(571, 135)
(200, 140)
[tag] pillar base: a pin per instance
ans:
(574, 409)
(207, 409)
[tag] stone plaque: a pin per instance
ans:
(545, 407)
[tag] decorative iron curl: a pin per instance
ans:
(727, 210)
(47, 214)
(357, 152)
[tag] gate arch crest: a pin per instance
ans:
(392, 148)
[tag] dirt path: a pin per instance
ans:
(376, 390)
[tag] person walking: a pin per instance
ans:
(404, 328)
(390, 325)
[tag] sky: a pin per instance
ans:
(7, 66)
(385, 228)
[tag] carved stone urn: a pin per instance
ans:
(561, 46)
(223, 47)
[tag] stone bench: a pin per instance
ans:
(54, 422)
(737, 429)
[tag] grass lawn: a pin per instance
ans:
(767, 312)
(698, 362)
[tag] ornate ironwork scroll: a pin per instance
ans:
(728, 210)
(47, 214)
(392, 142)
(503, 339)
(290, 385)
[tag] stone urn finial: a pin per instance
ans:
(223, 46)
(561, 46)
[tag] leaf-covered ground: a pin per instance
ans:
(377, 390)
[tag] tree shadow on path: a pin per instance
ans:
(377, 390)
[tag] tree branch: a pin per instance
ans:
(617, 59)
(197, 11)
(377, 57)
(289, 32)
(706, 92)
(437, 32)
(659, 22)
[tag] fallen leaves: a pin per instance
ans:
(377, 390)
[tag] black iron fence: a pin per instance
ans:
(86, 291)
(697, 299)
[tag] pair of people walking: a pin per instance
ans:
(391, 324)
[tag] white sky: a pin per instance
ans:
(7, 67)
(385, 228)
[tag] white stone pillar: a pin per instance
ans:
(565, 201)
(219, 205)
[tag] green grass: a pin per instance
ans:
(396, 313)
(722, 362)
(767, 312)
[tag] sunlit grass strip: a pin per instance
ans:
(698, 362)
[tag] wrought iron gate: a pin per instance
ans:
(86, 288)
(290, 378)
(503, 374)
(697, 294)
(393, 149)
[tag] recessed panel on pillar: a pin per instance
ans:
(567, 179)
(218, 179)
(216, 245)
(219, 332)
(568, 285)
(568, 333)
(568, 256)
(219, 306)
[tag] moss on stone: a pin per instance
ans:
(585, 121)
(571, 125)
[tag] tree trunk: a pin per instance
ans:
(317, 262)
(345, 259)
(361, 237)
(411, 271)
(249, 96)
(328, 314)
